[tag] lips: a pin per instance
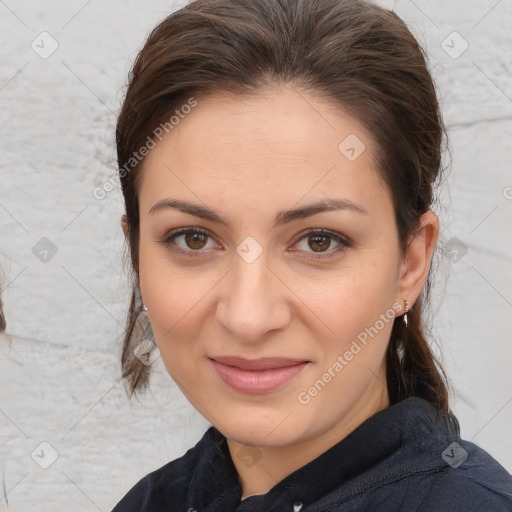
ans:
(256, 375)
(267, 363)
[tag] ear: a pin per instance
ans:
(124, 225)
(418, 256)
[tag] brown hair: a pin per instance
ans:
(352, 53)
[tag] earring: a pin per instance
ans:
(144, 309)
(406, 307)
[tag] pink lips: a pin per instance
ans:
(257, 375)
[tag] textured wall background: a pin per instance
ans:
(65, 290)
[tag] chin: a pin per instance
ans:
(255, 437)
(254, 428)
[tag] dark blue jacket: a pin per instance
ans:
(407, 458)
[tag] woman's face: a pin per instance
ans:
(275, 334)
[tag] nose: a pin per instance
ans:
(254, 301)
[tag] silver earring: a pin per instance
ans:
(406, 307)
(144, 307)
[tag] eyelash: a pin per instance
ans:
(344, 243)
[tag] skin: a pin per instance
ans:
(247, 159)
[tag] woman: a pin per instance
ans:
(277, 160)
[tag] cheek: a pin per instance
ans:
(361, 315)
(358, 308)
(170, 295)
(174, 304)
(365, 289)
(168, 290)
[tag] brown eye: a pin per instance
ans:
(195, 240)
(319, 243)
(188, 241)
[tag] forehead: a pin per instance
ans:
(281, 143)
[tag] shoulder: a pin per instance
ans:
(148, 491)
(167, 484)
(471, 481)
(436, 470)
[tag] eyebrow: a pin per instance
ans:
(282, 217)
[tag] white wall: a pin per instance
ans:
(59, 370)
